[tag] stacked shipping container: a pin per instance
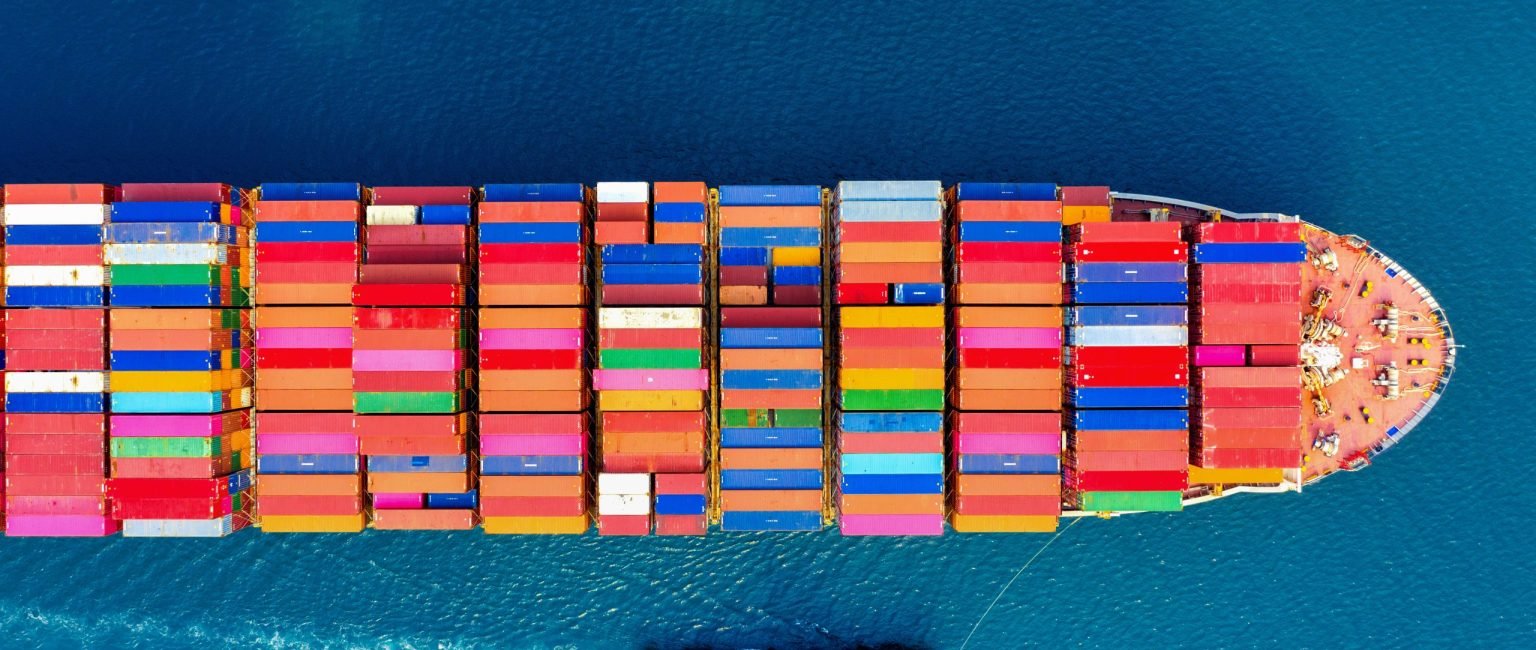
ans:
(56, 342)
(1248, 283)
(772, 462)
(307, 254)
(1006, 444)
(891, 364)
(181, 438)
(1129, 343)
(1085, 204)
(410, 380)
(535, 437)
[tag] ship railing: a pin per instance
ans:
(1225, 214)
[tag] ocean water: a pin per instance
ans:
(1408, 123)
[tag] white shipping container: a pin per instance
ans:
(1128, 335)
(43, 214)
(55, 276)
(888, 191)
(611, 483)
(899, 211)
(179, 527)
(393, 215)
(56, 382)
(623, 504)
(649, 317)
(628, 192)
(167, 253)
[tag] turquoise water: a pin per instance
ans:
(1409, 124)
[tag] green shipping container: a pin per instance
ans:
(165, 274)
(659, 358)
(1133, 501)
(169, 447)
(444, 402)
(770, 418)
(893, 400)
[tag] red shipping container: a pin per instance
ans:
(1090, 195)
(797, 295)
(966, 252)
(623, 211)
(55, 319)
(659, 338)
(681, 525)
(564, 273)
(748, 276)
(653, 463)
(1130, 252)
(1249, 293)
(532, 423)
(410, 273)
(17, 504)
(273, 358)
(269, 422)
(1007, 423)
(1255, 438)
(1128, 231)
(533, 506)
(437, 425)
(1249, 458)
(416, 235)
(1249, 397)
(985, 504)
(408, 445)
(1127, 481)
(309, 211)
(652, 421)
(52, 423)
(56, 485)
(416, 254)
(533, 212)
(408, 382)
(307, 272)
(162, 468)
(653, 294)
(1130, 355)
(1274, 355)
(770, 317)
(1008, 211)
(1238, 232)
(308, 252)
(1246, 418)
(530, 359)
(77, 464)
(82, 340)
(55, 443)
(167, 488)
(890, 231)
(1248, 332)
(681, 484)
(1248, 273)
(1010, 358)
(78, 360)
(863, 294)
(84, 255)
(422, 195)
(630, 525)
(1009, 272)
(1150, 375)
(171, 508)
(310, 504)
(532, 253)
(414, 318)
(70, 193)
(209, 192)
(1172, 460)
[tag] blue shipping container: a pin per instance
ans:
(306, 231)
(1131, 397)
(771, 337)
(535, 193)
(744, 256)
(1010, 231)
(679, 504)
(165, 360)
(678, 213)
(456, 463)
(652, 254)
(55, 296)
(165, 212)
(918, 294)
(770, 479)
(797, 276)
(770, 195)
(892, 484)
(307, 464)
(652, 274)
(1009, 464)
(453, 500)
(165, 296)
(530, 233)
(1129, 315)
(770, 236)
(775, 521)
(1005, 192)
(886, 422)
(170, 233)
(445, 215)
(530, 465)
(54, 235)
(311, 192)
(1270, 253)
(1130, 293)
(1131, 420)
(1130, 272)
(55, 402)
(770, 437)
(770, 379)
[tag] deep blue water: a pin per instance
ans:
(1409, 123)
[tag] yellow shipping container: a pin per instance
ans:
(1203, 476)
(797, 256)
(891, 252)
(1003, 523)
(536, 525)
(650, 400)
(313, 523)
(891, 378)
(1073, 214)
(903, 316)
(177, 381)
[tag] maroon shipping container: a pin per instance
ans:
(966, 252)
(1111, 481)
(419, 195)
(1274, 355)
(1249, 458)
(1249, 293)
(750, 276)
(1249, 397)
(532, 253)
(1248, 273)
(1172, 460)
(1128, 231)
(1007, 423)
(1248, 418)
(1241, 377)
(770, 317)
(416, 254)
(434, 235)
(410, 273)
(1089, 195)
(404, 318)
(653, 294)
(1130, 252)
(797, 295)
(210, 192)
(1238, 232)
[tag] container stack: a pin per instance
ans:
(623, 503)
(644, 264)
(1007, 244)
(772, 358)
(55, 379)
(1085, 204)
(1129, 373)
(409, 369)
(1249, 418)
(891, 362)
(770, 245)
(307, 254)
(534, 430)
(180, 429)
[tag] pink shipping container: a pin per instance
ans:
(650, 379)
(533, 444)
(1009, 337)
(304, 337)
(1128, 231)
(531, 339)
(1009, 443)
(177, 426)
(1220, 355)
(1234, 232)
(398, 501)
(60, 526)
(891, 524)
(306, 443)
(407, 360)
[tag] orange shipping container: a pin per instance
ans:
(533, 294)
(309, 484)
(891, 504)
(1007, 484)
(1008, 317)
(532, 318)
(417, 482)
(531, 380)
(743, 295)
(1007, 400)
(770, 459)
(441, 519)
(1008, 294)
(890, 273)
(621, 232)
(532, 486)
(305, 379)
(769, 500)
(653, 443)
(281, 399)
(533, 401)
(165, 319)
(742, 216)
(1129, 440)
(305, 316)
(677, 233)
(764, 359)
(1008, 378)
(679, 192)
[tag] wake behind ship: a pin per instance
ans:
(885, 357)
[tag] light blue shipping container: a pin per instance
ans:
(892, 463)
(889, 191)
(882, 211)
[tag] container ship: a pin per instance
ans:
(670, 358)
